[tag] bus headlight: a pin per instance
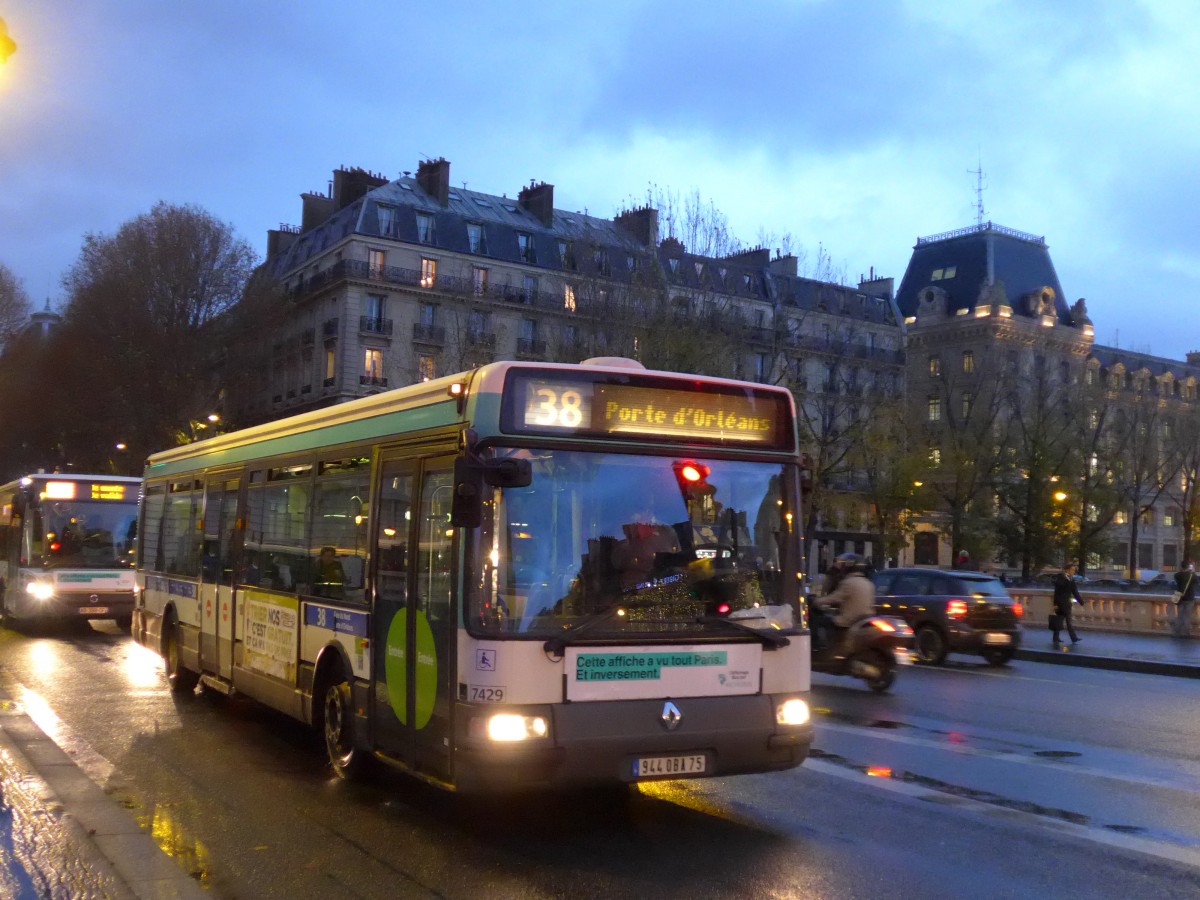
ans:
(509, 727)
(792, 712)
(40, 590)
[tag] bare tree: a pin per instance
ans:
(14, 305)
(1034, 525)
(154, 292)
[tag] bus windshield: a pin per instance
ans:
(84, 534)
(627, 545)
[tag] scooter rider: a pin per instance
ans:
(851, 600)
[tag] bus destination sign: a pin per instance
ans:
(664, 413)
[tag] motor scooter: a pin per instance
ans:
(871, 649)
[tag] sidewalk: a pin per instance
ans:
(1147, 653)
(61, 836)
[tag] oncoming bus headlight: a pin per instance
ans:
(792, 712)
(510, 727)
(40, 590)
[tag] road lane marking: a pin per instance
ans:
(1099, 835)
(1014, 756)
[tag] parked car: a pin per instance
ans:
(952, 612)
(1162, 583)
(1106, 584)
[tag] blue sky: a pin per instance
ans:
(850, 124)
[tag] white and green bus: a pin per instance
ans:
(68, 544)
(524, 575)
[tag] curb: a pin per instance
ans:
(1112, 663)
(111, 844)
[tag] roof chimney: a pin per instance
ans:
(350, 184)
(433, 175)
(640, 224)
(316, 209)
(539, 200)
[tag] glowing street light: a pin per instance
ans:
(1060, 496)
(7, 45)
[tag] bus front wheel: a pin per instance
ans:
(181, 680)
(337, 717)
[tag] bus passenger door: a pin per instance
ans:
(217, 564)
(415, 633)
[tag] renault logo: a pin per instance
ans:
(670, 716)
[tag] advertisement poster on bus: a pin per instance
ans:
(270, 635)
(631, 673)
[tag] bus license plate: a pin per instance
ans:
(655, 766)
(994, 638)
(93, 610)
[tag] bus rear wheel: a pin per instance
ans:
(181, 680)
(346, 757)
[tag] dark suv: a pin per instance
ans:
(960, 612)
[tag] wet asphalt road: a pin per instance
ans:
(966, 781)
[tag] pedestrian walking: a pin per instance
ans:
(963, 562)
(1185, 599)
(1066, 595)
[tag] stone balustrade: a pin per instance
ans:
(1103, 610)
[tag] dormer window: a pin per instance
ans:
(525, 247)
(674, 264)
(475, 238)
(387, 219)
(424, 228)
(944, 273)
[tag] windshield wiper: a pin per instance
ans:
(770, 639)
(557, 644)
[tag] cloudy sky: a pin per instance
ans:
(854, 125)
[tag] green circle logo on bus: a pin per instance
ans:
(396, 672)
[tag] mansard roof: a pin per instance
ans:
(966, 262)
(1157, 366)
(594, 247)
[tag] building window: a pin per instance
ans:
(375, 263)
(762, 367)
(935, 366)
(1169, 516)
(966, 405)
(568, 298)
(478, 324)
(571, 335)
(530, 286)
(330, 364)
(424, 228)
(1119, 518)
(1090, 377)
(935, 409)
(935, 456)
(1170, 556)
(1145, 555)
(475, 238)
(525, 247)
(428, 271)
(426, 371)
(429, 313)
(375, 307)
(479, 277)
(529, 330)
(373, 363)
(942, 274)
(1147, 517)
(968, 361)
(387, 220)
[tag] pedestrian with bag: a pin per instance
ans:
(1066, 595)
(1185, 600)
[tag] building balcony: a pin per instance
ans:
(329, 328)
(481, 339)
(531, 347)
(372, 381)
(375, 325)
(429, 334)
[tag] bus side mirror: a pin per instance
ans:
(471, 474)
(466, 508)
(508, 472)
